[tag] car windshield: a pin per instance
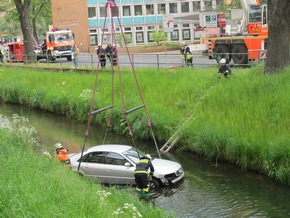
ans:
(132, 154)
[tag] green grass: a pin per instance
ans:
(243, 120)
(33, 185)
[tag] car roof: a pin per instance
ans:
(110, 147)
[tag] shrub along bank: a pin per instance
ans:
(243, 120)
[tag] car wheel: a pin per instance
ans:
(154, 184)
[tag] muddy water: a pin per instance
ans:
(209, 190)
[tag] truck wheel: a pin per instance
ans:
(240, 54)
(69, 58)
(220, 52)
(50, 57)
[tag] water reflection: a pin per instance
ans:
(207, 191)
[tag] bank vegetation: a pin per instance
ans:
(33, 185)
(243, 120)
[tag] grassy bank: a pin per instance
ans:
(36, 186)
(243, 120)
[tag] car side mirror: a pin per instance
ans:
(127, 164)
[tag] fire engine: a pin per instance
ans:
(57, 44)
(244, 40)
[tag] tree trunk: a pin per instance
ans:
(278, 36)
(23, 12)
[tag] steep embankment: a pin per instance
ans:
(243, 120)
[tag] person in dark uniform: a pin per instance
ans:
(224, 69)
(102, 56)
(114, 55)
(141, 174)
(108, 51)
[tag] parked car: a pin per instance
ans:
(115, 164)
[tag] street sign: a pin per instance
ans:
(168, 24)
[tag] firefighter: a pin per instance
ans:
(114, 55)
(61, 154)
(108, 51)
(102, 56)
(224, 69)
(186, 54)
(141, 174)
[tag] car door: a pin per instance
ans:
(93, 166)
(117, 172)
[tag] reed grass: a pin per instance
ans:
(243, 120)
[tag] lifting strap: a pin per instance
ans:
(109, 5)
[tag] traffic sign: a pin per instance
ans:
(168, 24)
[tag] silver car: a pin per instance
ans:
(115, 164)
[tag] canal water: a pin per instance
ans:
(208, 190)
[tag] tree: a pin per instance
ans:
(158, 35)
(23, 13)
(40, 17)
(278, 35)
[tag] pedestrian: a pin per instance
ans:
(108, 52)
(102, 56)
(141, 174)
(224, 69)
(61, 154)
(76, 52)
(186, 54)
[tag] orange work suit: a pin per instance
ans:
(63, 157)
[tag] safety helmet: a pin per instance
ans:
(148, 156)
(99, 44)
(223, 61)
(58, 146)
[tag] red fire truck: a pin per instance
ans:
(249, 40)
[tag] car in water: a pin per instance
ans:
(115, 164)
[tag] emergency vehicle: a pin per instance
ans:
(57, 44)
(243, 40)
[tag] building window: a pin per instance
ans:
(186, 25)
(127, 29)
(172, 8)
(139, 28)
(186, 34)
(138, 10)
(161, 8)
(92, 12)
(150, 28)
(149, 9)
(208, 5)
(93, 37)
(184, 7)
(103, 12)
(196, 6)
(115, 11)
(140, 37)
(126, 11)
(129, 37)
(175, 35)
(150, 36)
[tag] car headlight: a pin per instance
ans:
(164, 181)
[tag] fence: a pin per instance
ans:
(89, 62)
